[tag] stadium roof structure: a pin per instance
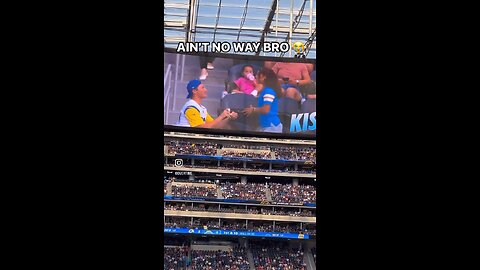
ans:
(241, 20)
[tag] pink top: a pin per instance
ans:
(245, 85)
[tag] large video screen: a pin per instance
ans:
(241, 94)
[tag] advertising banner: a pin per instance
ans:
(237, 233)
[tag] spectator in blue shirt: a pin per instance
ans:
(267, 102)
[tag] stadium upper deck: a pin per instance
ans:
(246, 21)
(225, 138)
(235, 155)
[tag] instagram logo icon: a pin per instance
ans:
(178, 162)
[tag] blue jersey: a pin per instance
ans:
(268, 96)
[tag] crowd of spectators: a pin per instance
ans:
(175, 258)
(211, 224)
(210, 149)
(288, 212)
(183, 207)
(289, 193)
(307, 154)
(247, 191)
(193, 148)
(220, 260)
(177, 207)
(271, 256)
(266, 256)
(285, 153)
(262, 155)
(264, 227)
(234, 226)
(280, 193)
(194, 191)
(311, 171)
(310, 229)
(171, 222)
(165, 183)
(245, 146)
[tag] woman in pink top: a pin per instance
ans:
(247, 83)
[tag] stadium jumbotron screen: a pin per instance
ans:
(240, 94)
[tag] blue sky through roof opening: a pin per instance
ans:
(230, 20)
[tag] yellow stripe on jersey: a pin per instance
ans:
(209, 118)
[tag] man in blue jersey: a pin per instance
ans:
(267, 102)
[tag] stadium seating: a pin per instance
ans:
(293, 194)
(276, 199)
(194, 191)
(313, 75)
(210, 149)
(165, 183)
(281, 193)
(310, 105)
(287, 107)
(220, 260)
(238, 102)
(250, 191)
(175, 258)
(265, 255)
(270, 255)
(182, 147)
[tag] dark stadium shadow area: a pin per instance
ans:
(203, 252)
